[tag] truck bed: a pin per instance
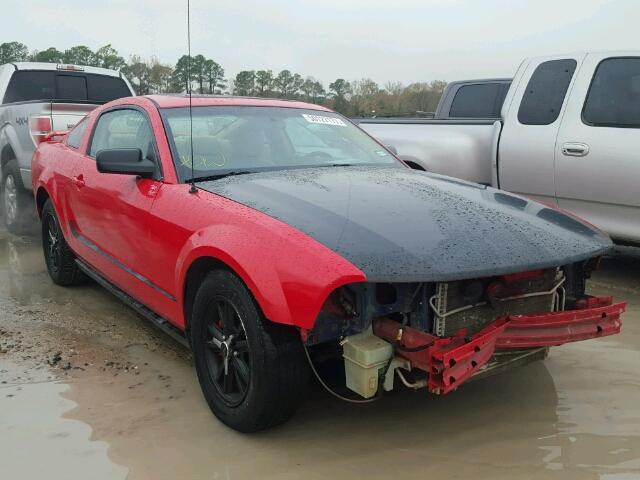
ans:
(458, 148)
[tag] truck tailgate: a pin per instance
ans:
(64, 116)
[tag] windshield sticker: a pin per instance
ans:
(382, 153)
(324, 120)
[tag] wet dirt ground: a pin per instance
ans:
(90, 390)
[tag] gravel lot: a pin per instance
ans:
(89, 390)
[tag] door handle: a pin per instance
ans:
(575, 149)
(78, 181)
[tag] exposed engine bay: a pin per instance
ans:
(439, 335)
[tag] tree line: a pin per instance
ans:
(358, 98)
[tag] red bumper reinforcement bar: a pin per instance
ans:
(595, 317)
(451, 361)
(447, 361)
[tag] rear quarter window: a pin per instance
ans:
(614, 95)
(544, 96)
(74, 139)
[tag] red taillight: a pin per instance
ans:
(39, 127)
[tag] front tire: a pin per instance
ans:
(253, 373)
(60, 260)
(15, 199)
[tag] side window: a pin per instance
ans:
(75, 136)
(126, 128)
(545, 92)
(614, 95)
(476, 101)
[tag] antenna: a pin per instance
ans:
(193, 188)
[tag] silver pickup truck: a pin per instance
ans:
(568, 136)
(37, 99)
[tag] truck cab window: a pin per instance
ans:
(478, 101)
(32, 85)
(27, 86)
(614, 96)
(545, 93)
(71, 87)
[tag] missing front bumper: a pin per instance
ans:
(449, 362)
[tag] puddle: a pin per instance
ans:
(36, 441)
(129, 403)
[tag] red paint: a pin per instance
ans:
(158, 229)
(169, 101)
(451, 361)
(448, 362)
(596, 317)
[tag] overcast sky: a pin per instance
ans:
(397, 40)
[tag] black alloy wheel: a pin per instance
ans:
(227, 352)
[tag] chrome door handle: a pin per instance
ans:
(575, 149)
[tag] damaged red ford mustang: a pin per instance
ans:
(266, 234)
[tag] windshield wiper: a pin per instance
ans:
(218, 176)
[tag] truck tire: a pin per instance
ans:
(252, 372)
(60, 260)
(15, 200)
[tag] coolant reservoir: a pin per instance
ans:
(364, 356)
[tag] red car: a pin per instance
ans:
(263, 233)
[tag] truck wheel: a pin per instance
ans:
(253, 373)
(60, 260)
(15, 199)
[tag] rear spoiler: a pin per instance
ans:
(54, 137)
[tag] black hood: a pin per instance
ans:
(402, 225)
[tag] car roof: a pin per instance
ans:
(182, 100)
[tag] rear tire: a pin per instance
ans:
(266, 373)
(15, 200)
(60, 260)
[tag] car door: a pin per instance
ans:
(111, 211)
(528, 138)
(597, 161)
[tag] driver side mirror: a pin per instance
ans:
(125, 161)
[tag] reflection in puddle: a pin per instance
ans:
(36, 442)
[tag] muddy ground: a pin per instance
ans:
(90, 390)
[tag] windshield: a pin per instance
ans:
(238, 139)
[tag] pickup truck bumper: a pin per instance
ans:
(451, 361)
(25, 173)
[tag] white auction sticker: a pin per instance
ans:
(324, 120)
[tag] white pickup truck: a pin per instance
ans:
(37, 99)
(569, 136)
